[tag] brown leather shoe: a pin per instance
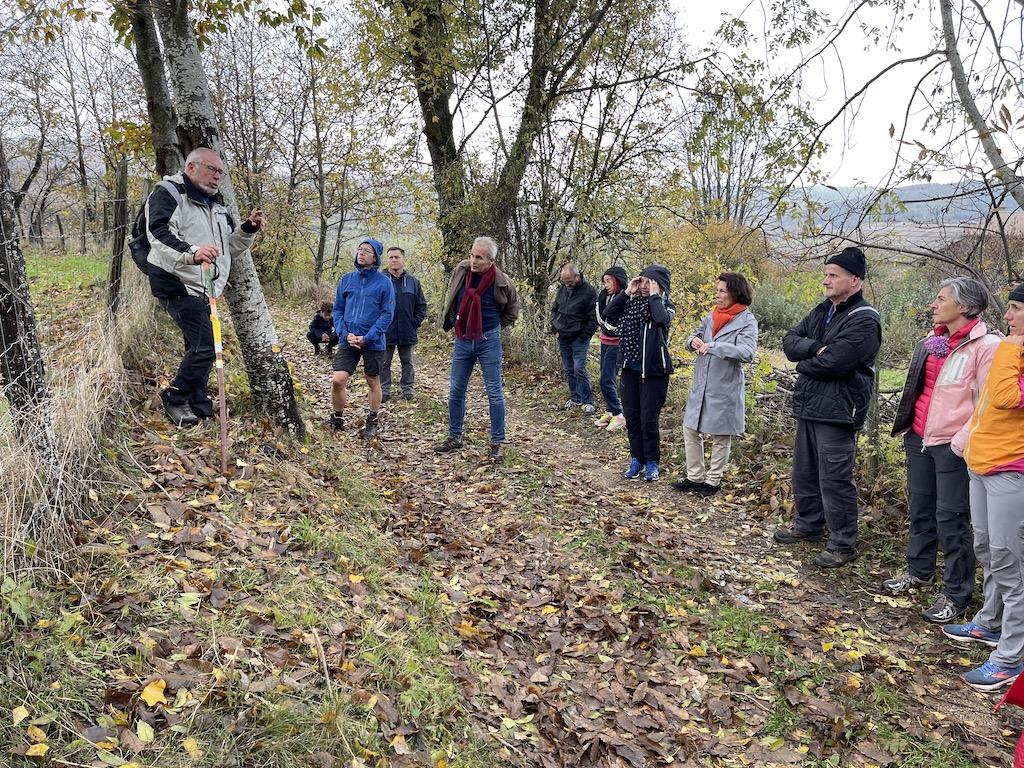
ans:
(450, 444)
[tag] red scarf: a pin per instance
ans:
(719, 317)
(469, 322)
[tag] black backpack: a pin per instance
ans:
(138, 243)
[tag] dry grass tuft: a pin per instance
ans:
(45, 491)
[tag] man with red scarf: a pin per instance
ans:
(481, 301)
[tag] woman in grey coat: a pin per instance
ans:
(726, 339)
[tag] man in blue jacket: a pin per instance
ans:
(363, 309)
(410, 309)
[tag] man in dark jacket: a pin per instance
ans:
(410, 309)
(321, 330)
(574, 321)
(834, 348)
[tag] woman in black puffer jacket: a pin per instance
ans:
(643, 315)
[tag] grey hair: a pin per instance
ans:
(492, 247)
(196, 155)
(967, 292)
(573, 269)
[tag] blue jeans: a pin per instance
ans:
(574, 363)
(609, 372)
(486, 351)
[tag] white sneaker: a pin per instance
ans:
(616, 423)
(603, 421)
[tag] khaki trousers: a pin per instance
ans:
(721, 446)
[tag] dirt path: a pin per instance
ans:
(602, 621)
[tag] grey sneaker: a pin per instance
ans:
(569, 405)
(588, 409)
(943, 611)
(179, 414)
(905, 582)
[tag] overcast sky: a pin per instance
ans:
(860, 147)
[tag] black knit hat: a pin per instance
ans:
(1017, 294)
(659, 274)
(852, 260)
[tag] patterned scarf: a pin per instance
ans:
(631, 328)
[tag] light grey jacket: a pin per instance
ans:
(178, 220)
(716, 402)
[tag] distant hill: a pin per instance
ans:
(923, 203)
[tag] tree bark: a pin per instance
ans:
(22, 373)
(120, 233)
(269, 378)
(1013, 182)
(159, 106)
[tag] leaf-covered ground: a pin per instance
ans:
(360, 603)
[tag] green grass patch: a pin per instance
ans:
(47, 271)
(744, 632)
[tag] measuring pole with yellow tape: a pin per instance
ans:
(218, 348)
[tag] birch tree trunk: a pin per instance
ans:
(162, 120)
(269, 378)
(22, 373)
(1003, 171)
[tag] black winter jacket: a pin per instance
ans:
(835, 386)
(572, 316)
(657, 361)
(410, 309)
(320, 325)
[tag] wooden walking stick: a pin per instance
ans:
(218, 349)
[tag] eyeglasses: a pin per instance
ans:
(215, 170)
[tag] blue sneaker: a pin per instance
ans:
(992, 677)
(651, 471)
(634, 470)
(971, 633)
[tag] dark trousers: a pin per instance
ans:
(316, 339)
(939, 504)
(408, 370)
(609, 372)
(823, 461)
(642, 400)
(192, 314)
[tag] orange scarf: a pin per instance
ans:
(719, 317)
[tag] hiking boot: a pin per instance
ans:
(589, 409)
(408, 395)
(603, 421)
(651, 471)
(992, 677)
(203, 409)
(706, 489)
(450, 444)
(685, 484)
(634, 470)
(179, 414)
(617, 423)
(829, 559)
(371, 427)
(795, 536)
(972, 633)
(905, 582)
(943, 611)
(495, 453)
(569, 405)
(337, 421)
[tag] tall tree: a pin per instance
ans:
(267, 369)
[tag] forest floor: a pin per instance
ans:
(346, 602)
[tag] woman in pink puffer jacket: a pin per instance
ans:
(945, 378)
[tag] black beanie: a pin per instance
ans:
(660, 275)
(852, 260)
(1017, 294)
